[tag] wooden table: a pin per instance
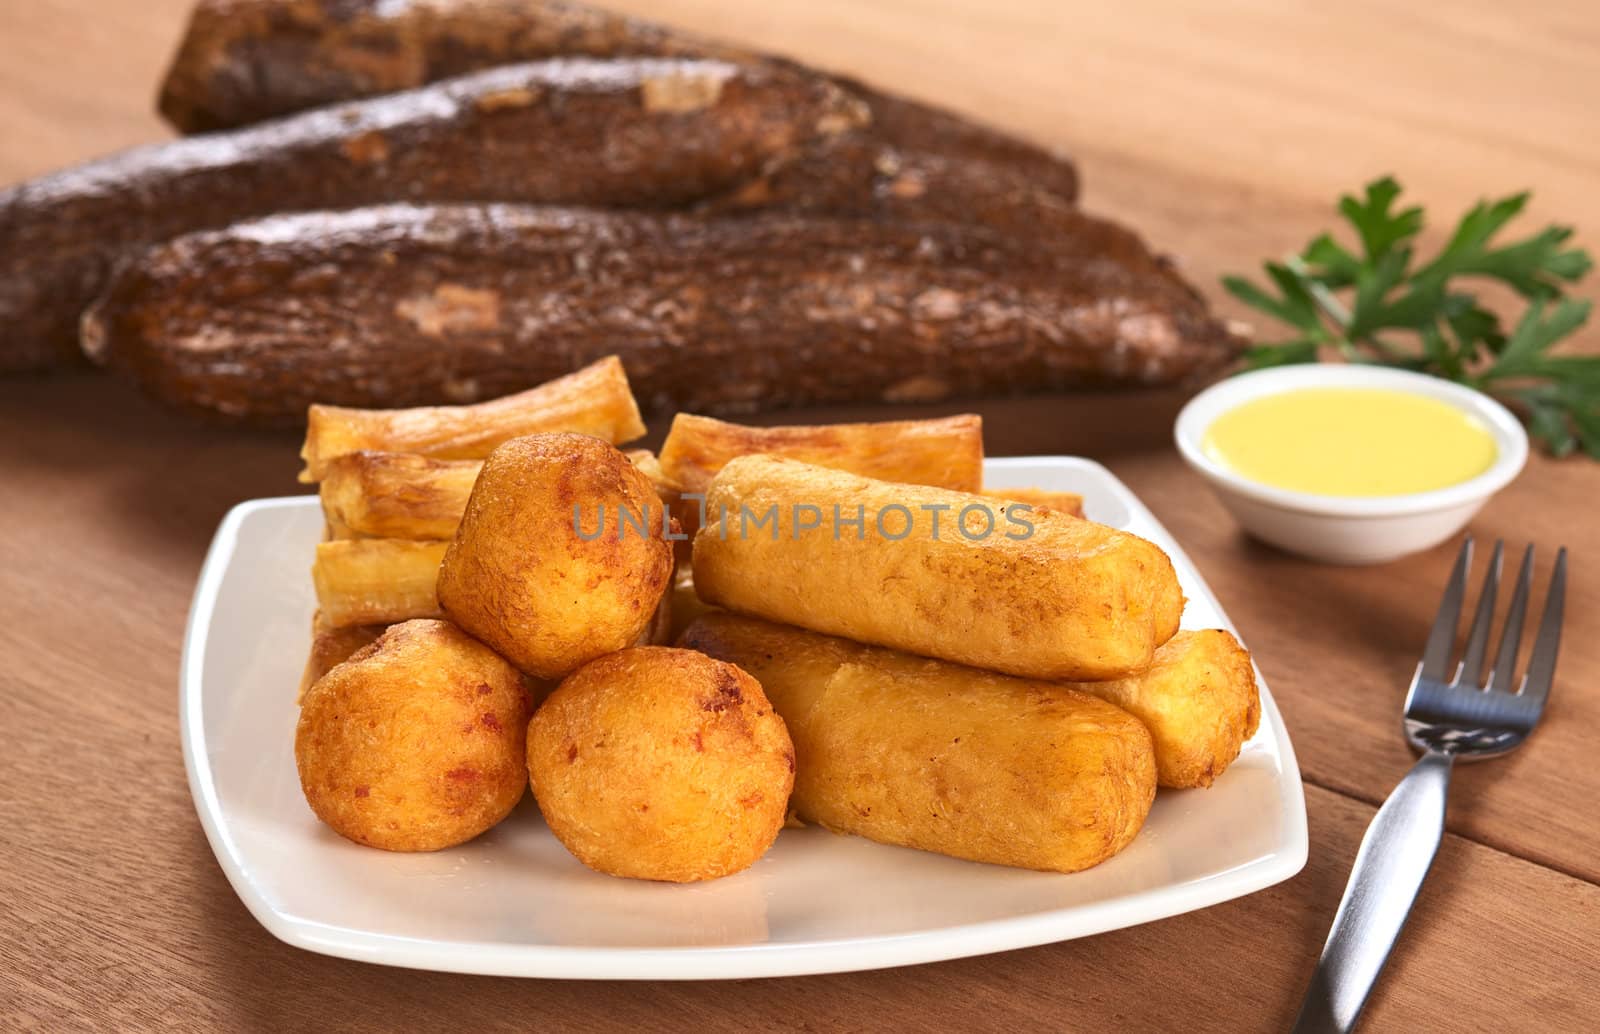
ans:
(1223, 131)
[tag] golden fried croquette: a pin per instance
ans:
(416, 742)
(927, 754)
(1198, 699)
(661, 764)
(559, 558)
(958, 576)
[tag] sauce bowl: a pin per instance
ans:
(1341, 529)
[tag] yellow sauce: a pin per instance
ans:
(1351, 442)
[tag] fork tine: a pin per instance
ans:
(1442, 640)
(1542, 662)
(1505, 662)
(1478, 640)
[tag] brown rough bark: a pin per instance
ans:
(242, 61)
(626, 132)
(408, 305)
(245, 61)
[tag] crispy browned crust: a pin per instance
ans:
(714, 315)
(399, 495)
(542, 567)
(661, 764)
(628, 132)
(416, 742)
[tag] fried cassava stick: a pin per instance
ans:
(631, 132)
(242, 61)
(945, 453)
(397, 495)
(439, 303)
(376, 581)
(594, 400)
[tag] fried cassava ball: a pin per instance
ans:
(560, 557)
(661, 764)
(416, 742)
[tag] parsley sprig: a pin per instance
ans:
(1386, 306)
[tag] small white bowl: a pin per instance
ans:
(1350, 530)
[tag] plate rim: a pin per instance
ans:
(839, 955)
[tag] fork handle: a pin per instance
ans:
(1395, 855)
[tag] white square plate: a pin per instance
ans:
(514, 903)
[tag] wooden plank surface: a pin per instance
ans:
(202, 962)
(1222, 132)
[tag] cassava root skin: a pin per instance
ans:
(242, 61)
(643, 132)
(245, 61)
(447, 303)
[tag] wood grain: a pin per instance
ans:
(1223, 132)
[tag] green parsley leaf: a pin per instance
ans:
(1378, 304)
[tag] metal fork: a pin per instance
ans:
(1467, 713)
